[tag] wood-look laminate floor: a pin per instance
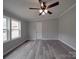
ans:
(41, 49)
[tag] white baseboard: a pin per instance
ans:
(13, 48)
(68, 45)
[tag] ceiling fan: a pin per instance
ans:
(44, 8)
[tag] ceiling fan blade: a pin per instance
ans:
(44, 3)
(54, 4)
(34, 8)
(40, 1)
(40, 13)
(49, 12)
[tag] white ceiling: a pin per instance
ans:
(21, 8)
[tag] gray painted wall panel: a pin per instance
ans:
(45, 30)
(50, 29)
(35, 30)
(67, 28)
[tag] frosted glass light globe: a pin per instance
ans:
(45, 10)
(40, 10)
(43, 13)
(42, 4)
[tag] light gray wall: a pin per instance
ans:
(25, 29)
(8, 46)
(67, 28)
(35, 30)
(50, 29)
(45, 30)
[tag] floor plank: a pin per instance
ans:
(41, 49)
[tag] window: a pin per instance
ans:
(15, 29)
(4, 29)
(11, 28)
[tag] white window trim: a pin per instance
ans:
(19, 24)
(9, 30)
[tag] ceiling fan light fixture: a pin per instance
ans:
(42, 4)
(45, 10)
(43, 13)
(40, 11)
(44, 7)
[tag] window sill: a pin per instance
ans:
(11, 40)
